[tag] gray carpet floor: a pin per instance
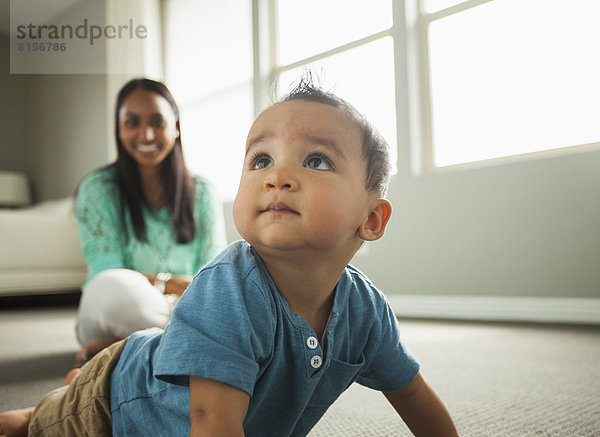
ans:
(496, 379)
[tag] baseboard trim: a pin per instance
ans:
(509, 309)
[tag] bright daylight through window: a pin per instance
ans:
(510, 77)
(208, 67)
(498, 77)
(349, 47)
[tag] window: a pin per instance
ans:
(493, 78)
(223, 60)
(349, 47)
(208, 68)
(332, 23)
(508, 77)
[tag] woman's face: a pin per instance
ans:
(147, 127)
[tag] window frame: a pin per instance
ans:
(267, 69)
(418, 21)
(412, 80)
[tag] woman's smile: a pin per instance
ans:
(147, 148)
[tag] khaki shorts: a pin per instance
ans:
(81, 408)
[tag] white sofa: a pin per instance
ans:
(39, 249)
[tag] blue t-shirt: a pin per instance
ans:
(233, 326)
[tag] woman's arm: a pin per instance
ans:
(216, 409)
(422, 410)
(98, 223)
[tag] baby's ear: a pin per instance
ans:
(374, 226)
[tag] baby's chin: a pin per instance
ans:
(279, 248)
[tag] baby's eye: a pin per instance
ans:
(318, 162)
(261, 162)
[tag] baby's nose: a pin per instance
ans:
(281, 178)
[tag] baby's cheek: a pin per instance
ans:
(240, 208)
(345, 209)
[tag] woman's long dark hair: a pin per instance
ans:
(178, 187)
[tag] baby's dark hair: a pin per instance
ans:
(374, 147)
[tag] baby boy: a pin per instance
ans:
(277, 326)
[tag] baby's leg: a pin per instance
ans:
(83, 407)
(14, 423)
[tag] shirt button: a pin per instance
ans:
(316, 362)
(312, 342)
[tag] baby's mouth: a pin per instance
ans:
(146, 148)
(279, 208)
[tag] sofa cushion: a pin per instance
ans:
(41, 236)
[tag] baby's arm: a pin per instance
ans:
(421, 409)
(216, 409)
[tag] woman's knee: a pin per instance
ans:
(117, 302)
(107, 299)
(116, 290)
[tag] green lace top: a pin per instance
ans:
(106, 246)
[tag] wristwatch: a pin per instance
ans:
(160, 283)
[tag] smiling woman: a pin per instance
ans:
(145, 224)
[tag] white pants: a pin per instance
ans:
(117, 302)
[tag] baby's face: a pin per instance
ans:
(303, 181)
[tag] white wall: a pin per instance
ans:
(54, 124)
(70, 138)
(523, 229)
(53, 127)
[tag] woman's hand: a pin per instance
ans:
(88, 351)
(175, 285)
